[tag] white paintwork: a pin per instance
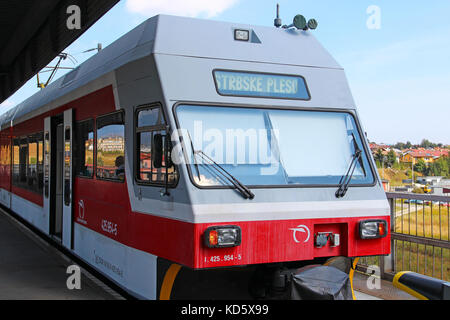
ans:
(130, 268)
(5, 198)
(30, 211)
(289, 210)
(264, 211)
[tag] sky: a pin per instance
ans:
(395, 53)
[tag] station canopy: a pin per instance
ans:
(33, 33)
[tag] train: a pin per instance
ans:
(198, 159)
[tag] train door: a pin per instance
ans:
(53, 159)
(67, 183)
(58, 178)
(58, 182)
(48, 195)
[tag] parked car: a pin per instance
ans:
(413, 201)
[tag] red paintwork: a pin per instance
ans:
(29, 195)
(107, 210)
(103, 201)
(262, 241)
(272, 241)
(90, 106)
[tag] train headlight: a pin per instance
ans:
(241, 35)
(372, 229)
(222, 237)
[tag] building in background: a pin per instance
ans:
(427, 155)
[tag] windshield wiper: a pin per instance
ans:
(220, 170)
(345, 180)
(195, 159)
(275, 149)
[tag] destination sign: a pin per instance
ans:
(247, 84)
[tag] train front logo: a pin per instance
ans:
(302, 229)
(81, 209)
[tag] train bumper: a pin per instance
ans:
(293, 240)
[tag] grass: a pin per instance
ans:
(427, 260)
(397, 175)
(423, 221)
(428, 221)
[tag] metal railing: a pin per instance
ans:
(420, 230)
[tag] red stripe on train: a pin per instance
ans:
(262, 241)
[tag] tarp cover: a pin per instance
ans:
(320, 283)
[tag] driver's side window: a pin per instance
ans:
(151, 125)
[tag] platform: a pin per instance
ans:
(31, 269)
(386, 291)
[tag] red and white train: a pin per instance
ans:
(194, 158)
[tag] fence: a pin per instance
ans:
(420, 228)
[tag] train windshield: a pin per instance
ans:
(271, 147)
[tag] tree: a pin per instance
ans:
(421, 166)
(447, 159)
(439, 168)
(391, 159)
(418, 190)
(426, 144)
(379, 157)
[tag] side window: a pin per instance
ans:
(40, 163)
(4, 155)
(23, 163)
(111, 147)
(83, 149)
(16, 162)
(67, 166)
(32, 164)
(27, 168)
(150, 122)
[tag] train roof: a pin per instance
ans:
(172, 35)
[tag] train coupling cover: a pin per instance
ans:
(331, 281)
